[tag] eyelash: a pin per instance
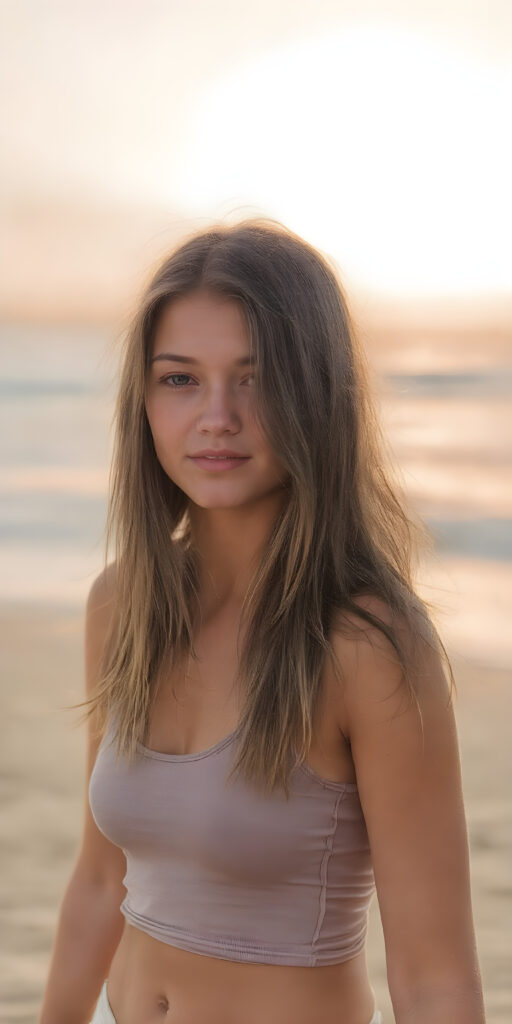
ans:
(180, 387)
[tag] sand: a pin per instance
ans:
(42, 787)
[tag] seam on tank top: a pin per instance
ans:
(324, 865)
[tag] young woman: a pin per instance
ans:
(271, 732)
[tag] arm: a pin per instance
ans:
(411, 794)
(90, 923)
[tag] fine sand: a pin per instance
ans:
(42, 797)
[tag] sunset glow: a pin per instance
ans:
(381, 145)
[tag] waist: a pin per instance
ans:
(149, 978)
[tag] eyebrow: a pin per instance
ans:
(172, 357)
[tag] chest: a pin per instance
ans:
(198, 703)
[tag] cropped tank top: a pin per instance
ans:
(223, 871)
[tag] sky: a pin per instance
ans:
(377, 130)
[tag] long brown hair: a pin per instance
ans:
(344, 531)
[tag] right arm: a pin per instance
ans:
(90, 923)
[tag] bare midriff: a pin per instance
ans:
(151, 982)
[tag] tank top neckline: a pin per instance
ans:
(158, 755)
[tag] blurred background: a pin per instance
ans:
(377, 130)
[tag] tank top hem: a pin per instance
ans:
(236, 949)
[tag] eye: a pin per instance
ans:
(169, 377)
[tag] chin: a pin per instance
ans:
(217, 503)
(226, 500)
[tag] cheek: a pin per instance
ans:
(164, 421)
(264, 445)
(165, 434)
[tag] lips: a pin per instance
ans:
(221, 453)
(219, 463)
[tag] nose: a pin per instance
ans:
(219, 411)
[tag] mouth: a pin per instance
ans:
(219, 462)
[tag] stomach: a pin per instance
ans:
(151, 982)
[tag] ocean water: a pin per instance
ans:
(450, 436)
(57, 388)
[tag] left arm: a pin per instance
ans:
(411, 793)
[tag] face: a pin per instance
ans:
(199, 397)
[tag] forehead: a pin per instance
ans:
(200, 323)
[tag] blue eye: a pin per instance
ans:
(177, 387)
(173, 385)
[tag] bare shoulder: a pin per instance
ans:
(100, 598)
(373, 685)
(99, 617)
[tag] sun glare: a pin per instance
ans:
(385, 147)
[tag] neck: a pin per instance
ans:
(230, 543)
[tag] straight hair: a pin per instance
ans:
(345, 529)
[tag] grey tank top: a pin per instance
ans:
(220, 870)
